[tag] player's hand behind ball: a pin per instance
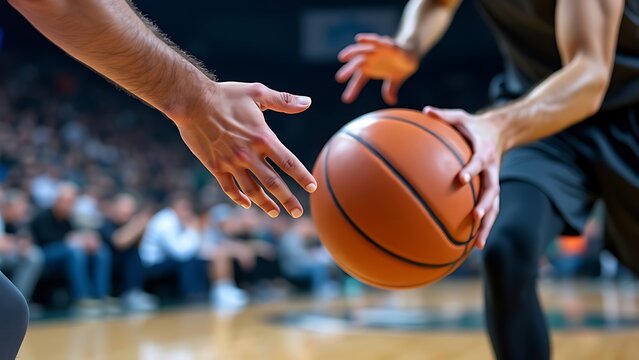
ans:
(379, 58)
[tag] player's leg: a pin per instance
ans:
(621, 200)
(527, 222)
(14, 318)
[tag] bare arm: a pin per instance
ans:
(222, 123)
(587, 34)
(394, 60)
(587, 38)
(112, 39)
(424, 22)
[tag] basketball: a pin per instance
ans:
(389, 207)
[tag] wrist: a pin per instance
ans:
(409, 45)
(501, 131)
(193, 99)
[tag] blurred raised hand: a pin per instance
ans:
(375, 57)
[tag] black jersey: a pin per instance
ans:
(525, 30)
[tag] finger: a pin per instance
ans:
(255, 192)
(291, 165)
(489, 192)
(276, 186)
(346, 71)
(354, 87)
(231, 190)
(452, 117)
(353, 50)
(368, 37)
(374, 39)
(279, 101)
(390, 89)
(471, 169)
(487, 225)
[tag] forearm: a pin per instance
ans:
(424, 22)
(128, 234)
(568, 96)
(110, 37)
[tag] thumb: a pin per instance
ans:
(283, 102)
(449, 116)
(390, 89)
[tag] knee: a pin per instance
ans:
(506, 259)
(496, 257)
(103, 253)
(75, 253)
(36, 256)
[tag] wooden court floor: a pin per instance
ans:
(594, 320)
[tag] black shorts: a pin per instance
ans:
(596, 159)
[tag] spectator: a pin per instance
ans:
(18, 255)
(222, 255)
(122, 230)
(170, 247)
(72, 251)
(256, 262)
(303, 257)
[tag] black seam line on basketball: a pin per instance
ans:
(450, 147)
(460, 259)
(438, 137)
(329, 186)
(410, 187)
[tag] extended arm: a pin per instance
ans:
(395, 60)
(112, 39)
(222, 123)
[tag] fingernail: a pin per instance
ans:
(311, 187)
(304, 100)
(246, 206)
(480, 213)
(465, 178)
(296, 213)
(273, 213)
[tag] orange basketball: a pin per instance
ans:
(389, 207)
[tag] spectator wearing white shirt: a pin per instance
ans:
(223, 293)
(302, 256)
(170, 247)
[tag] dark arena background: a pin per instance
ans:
(73, 143)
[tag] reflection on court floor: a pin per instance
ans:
(443, 321)
(570, 312)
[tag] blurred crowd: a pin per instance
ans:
(204, 252)
(102, 211)
(102, 208)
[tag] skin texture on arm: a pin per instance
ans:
(222, 123)
(395, 60)
(587, 34)
(423, 24)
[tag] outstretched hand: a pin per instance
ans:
(375, 57)
(488, 147)
(229, 135)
